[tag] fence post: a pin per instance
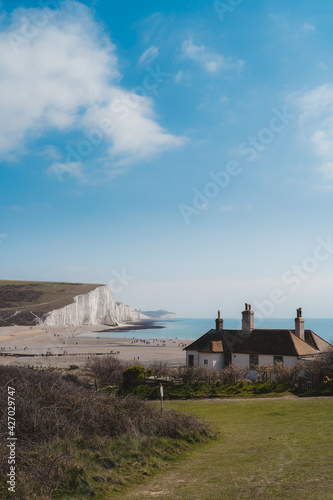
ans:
(161, 393)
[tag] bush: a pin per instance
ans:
(134, 376)
(160, 369)
(320, 367)
(59, 423)
(232, 374)
(287, 374)
(197, 375)
(107, 369)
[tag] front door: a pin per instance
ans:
(191, 360)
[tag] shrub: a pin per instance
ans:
(134, 376)
(287, 374)
(58, 423)
(232, 374)
(197, 375)
(320, 367)
(160, 369)
(265, 372)
(107, 369)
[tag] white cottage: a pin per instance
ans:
(250, 347)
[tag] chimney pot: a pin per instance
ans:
(247, 319)
(219, 322)
(299, 324)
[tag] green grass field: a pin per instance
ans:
(268, 449)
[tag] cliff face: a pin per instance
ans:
(168, 316)
(94, 308)
(160, 314)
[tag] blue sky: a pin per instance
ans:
(179, 151)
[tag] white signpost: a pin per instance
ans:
(161, 392)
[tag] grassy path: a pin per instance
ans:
(265, 450)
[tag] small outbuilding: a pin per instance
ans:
(249, 347)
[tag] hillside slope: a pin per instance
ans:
(60, 304)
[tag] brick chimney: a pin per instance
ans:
(247, 319)
(219, 322)
(299, 324)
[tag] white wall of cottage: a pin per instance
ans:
(215, 360)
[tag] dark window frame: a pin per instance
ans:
(279, 360)
(253, 361)
(227, 361)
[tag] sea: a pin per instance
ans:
(193, 328)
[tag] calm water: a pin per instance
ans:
(187, 328)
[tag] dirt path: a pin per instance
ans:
(291, 396)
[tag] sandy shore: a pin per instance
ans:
(62, 347)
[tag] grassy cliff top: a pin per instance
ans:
(37, 297)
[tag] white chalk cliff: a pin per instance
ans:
(97, 307)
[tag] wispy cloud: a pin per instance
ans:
(309, 27)
(316, 122)
(179, 76)
(73, 169)
(227, 208)
(211, 61)
(17, 208)
(224, 99)
(65, 77)
(149, 55)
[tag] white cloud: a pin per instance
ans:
(18, 208)
(52, 152)
(227, 208)
(316, 120)
(224, 99)
(316, 102)
(309, 27)
(210, 60)
(59, 73)
(133, 131)
(179, 76)
(73, 169)
(149, 55)
(327, 169)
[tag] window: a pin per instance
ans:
(277, 359)
(227, 359)
(253, 361)
(205, 361)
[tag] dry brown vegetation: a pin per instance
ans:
(62, 429)
(107, 370)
